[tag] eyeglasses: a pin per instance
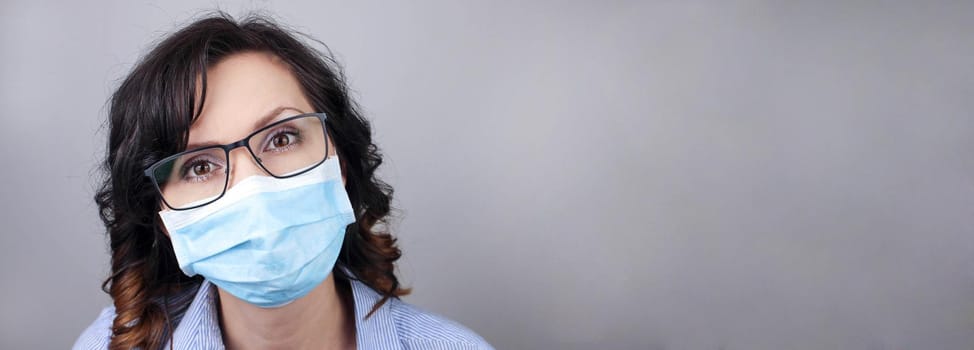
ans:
(198, 177)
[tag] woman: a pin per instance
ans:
(242, 205)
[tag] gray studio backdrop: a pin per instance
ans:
(576, 175)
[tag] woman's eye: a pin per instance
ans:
(281, 141)
(201, 168)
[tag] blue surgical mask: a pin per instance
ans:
(268, 241)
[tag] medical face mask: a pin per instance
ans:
(267, 241)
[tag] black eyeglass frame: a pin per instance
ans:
(244, 142)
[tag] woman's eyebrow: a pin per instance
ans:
(269, 117)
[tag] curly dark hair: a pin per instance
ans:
(149, 119)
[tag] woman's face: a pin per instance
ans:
(245, 92)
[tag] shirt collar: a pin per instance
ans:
(199, 328)
(379, 330)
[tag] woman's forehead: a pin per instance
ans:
(242, 91)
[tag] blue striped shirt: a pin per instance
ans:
(396, 325)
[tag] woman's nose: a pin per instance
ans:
(242, 166)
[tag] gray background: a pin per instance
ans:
(571, 175)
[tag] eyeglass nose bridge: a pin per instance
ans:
(245, 143)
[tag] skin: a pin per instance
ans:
(241, 90)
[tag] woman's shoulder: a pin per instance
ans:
(397, 324)
(99, 333)
(421, 329)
